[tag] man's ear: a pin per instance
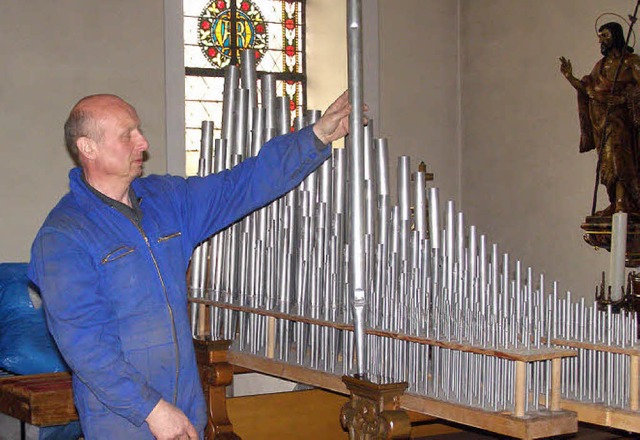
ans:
(87, 147)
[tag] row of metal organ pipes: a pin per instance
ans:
(446, 311)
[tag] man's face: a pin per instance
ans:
(606, 41)
(121, 147)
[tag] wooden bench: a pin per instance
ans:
(38, 399)
(47, 399)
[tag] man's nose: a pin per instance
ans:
(142, 143)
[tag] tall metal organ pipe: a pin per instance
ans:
(356, 184)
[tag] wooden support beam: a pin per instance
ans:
(543, 424)
(599, 414)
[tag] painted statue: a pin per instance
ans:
(609, 111)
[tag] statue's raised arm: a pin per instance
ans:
(567, 71)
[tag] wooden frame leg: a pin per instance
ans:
(216, 374)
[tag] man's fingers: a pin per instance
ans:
(342, 112)
(192, 434)
(334, 123)
(339, 102)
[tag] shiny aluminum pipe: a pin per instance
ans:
(449, 249)
(241, 98)
(356, 145)
(404, 203)
(217, 241)
(199, 260)
(369, 181)
(434, 217)
(382, 167)
(284, 115)
(249, 81)
(460, 263)
(206, 146)
(257, 130)
(483, 269)
(268, 94)
(206, 158)
(420, 210)
(434, 237)
(231, 83)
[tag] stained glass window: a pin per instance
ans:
(215, 31)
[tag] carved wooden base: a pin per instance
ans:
(215, 373)
(374, 413)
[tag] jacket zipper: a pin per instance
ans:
(173, 323)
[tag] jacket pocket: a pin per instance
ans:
(169, 236)
(117, 253)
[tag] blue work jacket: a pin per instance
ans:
(115, 293)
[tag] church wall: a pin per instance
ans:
(419, 100)
(326, 53)
(53, 54)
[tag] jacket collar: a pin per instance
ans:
(83, 194)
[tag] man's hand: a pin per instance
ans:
(167, 422)
(334, 123)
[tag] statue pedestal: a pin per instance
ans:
(598, 234)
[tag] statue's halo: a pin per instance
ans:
(621, 18)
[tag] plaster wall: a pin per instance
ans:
(419, 90)
(326, 53)
(53, 54)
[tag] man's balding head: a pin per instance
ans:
(84, 120)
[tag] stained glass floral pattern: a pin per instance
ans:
(216, 31)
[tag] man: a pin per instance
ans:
(619, 151)
(111, 260)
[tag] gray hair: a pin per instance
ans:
(81, 122)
